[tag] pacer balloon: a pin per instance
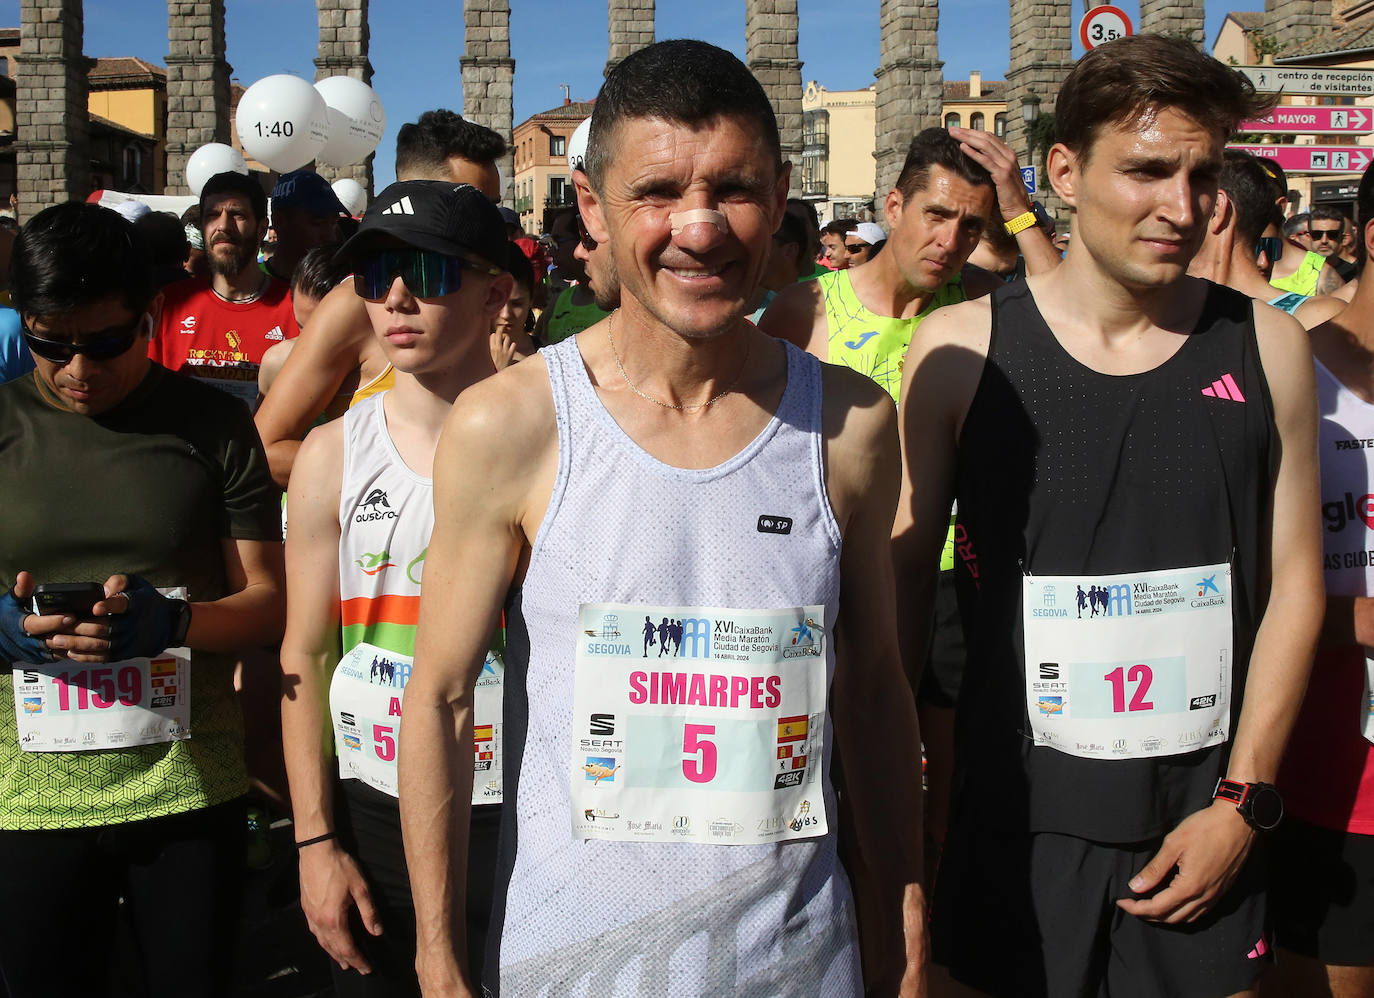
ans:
(356, 120)
(283, 122)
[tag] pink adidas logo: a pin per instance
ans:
(1224, 388)
(1261, 947)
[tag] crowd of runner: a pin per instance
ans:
(730, 526)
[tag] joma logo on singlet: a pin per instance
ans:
(374, 507)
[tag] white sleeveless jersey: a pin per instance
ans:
(608, 918)
(1346, 436)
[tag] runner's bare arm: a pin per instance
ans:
(797, 315)
(321, 359)
(998, 159)
(331, 883)
(491, 455)
(254, 612)
(1328, 281)
(943, 366)
(874, 712)
(1210, 846)
(1319, 309)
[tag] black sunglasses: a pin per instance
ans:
(426, 274)
(584, 237)
(105, 345)
(1332, 234)
(857, 247)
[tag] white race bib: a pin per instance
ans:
(1129, 666)
(71, 706)
(365, 701)
(693, 724)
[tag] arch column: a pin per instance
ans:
(344, 38)
(771, 30)
(911, 83)
(1180, 18)
(197, 84)
(52, 154)
(631, 28)
(1294, 20)
(488, 74)
(1041, 56)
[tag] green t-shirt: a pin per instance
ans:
(152, 488)
(874, 345)
(1302, 281)
(568, 318)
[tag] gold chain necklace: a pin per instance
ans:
(681, 407)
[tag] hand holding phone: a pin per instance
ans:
(74, 598)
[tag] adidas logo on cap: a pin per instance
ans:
(401, 207)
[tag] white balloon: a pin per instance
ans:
(283, 122)
(577, 145)
(356, 120)
(210, 159)
(352, 194)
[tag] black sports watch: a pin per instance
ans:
(1260, 804)
(181, 623)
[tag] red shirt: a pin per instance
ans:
(1327, 776)
(201, 334)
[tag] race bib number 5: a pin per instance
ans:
(1129, 666)
(696, 724)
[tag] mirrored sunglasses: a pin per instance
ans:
(426, 274)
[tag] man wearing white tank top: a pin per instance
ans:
(670, 826)
(426, 265)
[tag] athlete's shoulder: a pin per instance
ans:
(340, 320)
(506, 418)
(793, 314)
(318, 469)
(854, 405)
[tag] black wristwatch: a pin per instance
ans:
(1260, 804)
(181, 624)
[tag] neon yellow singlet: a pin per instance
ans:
(379, 384)
(1303, 281)
(568, 318)
(874, 345)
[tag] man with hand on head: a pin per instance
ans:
(432, 282)
(646, 818)
(139, 505)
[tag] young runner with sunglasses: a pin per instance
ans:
(426, 265)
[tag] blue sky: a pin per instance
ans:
(416, 44)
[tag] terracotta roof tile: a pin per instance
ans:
(1330, 43)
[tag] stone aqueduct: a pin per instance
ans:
(51, 100)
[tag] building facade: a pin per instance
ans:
(542, 180)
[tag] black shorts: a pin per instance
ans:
(944, 671)
(1321, 891)
(1035, 916)
(369, 824)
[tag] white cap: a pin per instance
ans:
(133, 210)
(869, 232)
(577, 146)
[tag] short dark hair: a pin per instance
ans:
(75, 254)
(936, 147)
(683, 82)
(317, 274)
(164, 237)
(1327, 213)
(1251, 192)
(1276, 174)
(840, 226)
(426, 145)
(232, 182)
(1297, 225)
(1115, 83)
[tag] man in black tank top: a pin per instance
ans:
(1117, 426)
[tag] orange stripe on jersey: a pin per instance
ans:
(374, 609)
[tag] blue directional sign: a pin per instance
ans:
(1028, 178)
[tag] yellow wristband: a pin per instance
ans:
(1020, 223)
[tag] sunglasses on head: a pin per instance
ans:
(426, 274)
(105, 345)
(1270, 246)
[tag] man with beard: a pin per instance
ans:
(217, 328)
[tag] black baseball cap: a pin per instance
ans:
(452, 219)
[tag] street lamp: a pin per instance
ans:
(1030, 107)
